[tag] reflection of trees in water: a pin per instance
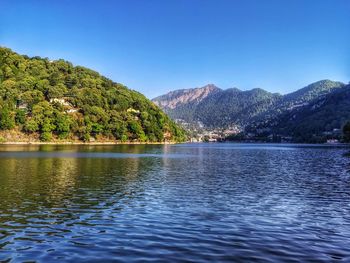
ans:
(36, 181)
(347, 154)
(65, 189)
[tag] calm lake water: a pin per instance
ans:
(190, 202)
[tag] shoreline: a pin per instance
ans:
(87, 143)
(153, 143)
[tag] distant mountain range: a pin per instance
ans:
(317, 108)
(323, 115)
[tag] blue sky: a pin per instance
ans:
(155, 46)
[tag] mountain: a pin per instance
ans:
(178, 98)
(312, 91)
(215, 107)
(233, 106)
(257, 109)
(299, 98)
(53, 100)
(182, 104)
(323, 115)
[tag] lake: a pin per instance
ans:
(186, 202)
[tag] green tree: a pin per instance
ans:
(63, 123)
(99, 106)
(346, 132)
(7, 119)
(31, 125)
(46, 136)
(136, 131)
(20, 117)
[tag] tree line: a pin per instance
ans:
(57, 100)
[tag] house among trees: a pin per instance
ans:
(72, 110)
(55, 100)
(133, 110)
(20, 105)
(136, 113)
(64, 101)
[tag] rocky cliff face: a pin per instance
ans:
(177, 98)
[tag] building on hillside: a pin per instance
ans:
(131, 110)
(21, 105)
(72, 110)
(62, 101)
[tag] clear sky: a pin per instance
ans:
(155, 46)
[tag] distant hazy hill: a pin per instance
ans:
(220, 108)
(50, 100)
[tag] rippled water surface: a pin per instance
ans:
(191, 202)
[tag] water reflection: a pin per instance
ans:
(46, 199)
(212, 202)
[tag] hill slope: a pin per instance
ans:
(178, 98)
(215, 107)
(320, 116)
(56, 100)
(182, 104)
(299, 98)
(222, 108)
(233, 106)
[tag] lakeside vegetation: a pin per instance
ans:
(49, 101)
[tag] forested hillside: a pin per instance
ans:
(233, 106)
(299, 98)
(218, 108)
(222, 108)
(310, 114)
(52, 100)
(312, 122)
(182, 104)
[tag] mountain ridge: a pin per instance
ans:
(252, 108)
(321, 117)
(304, 89)
(178, 97)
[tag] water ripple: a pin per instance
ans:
(211, 202)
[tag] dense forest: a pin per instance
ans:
(218, 108)
(233, 106)
(54, 100)
(314, 113)
(315, 121)
(223, 108)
